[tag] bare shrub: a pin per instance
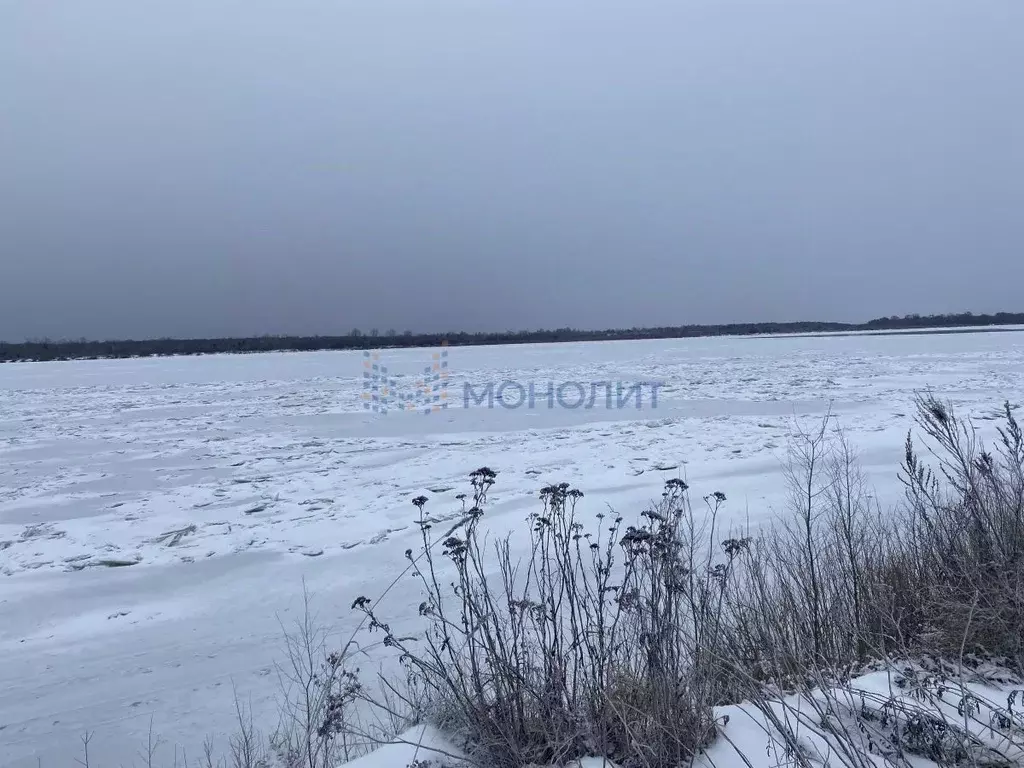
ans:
(590, 644)
(837, 588)
(965, 526)
(247, 745)
(805, 595)
(318, 694)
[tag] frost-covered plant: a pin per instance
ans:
(590, 644)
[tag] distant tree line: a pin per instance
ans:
(82, 349)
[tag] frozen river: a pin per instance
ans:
(220, 483)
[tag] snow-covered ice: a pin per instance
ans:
(158, 516)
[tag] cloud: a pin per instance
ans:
(306, 167)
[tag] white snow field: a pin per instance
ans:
(220, 483)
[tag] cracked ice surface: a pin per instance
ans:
(158, 516)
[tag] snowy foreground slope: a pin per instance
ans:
(220, 483)
(748, 738)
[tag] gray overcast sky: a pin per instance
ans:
(238, 167)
